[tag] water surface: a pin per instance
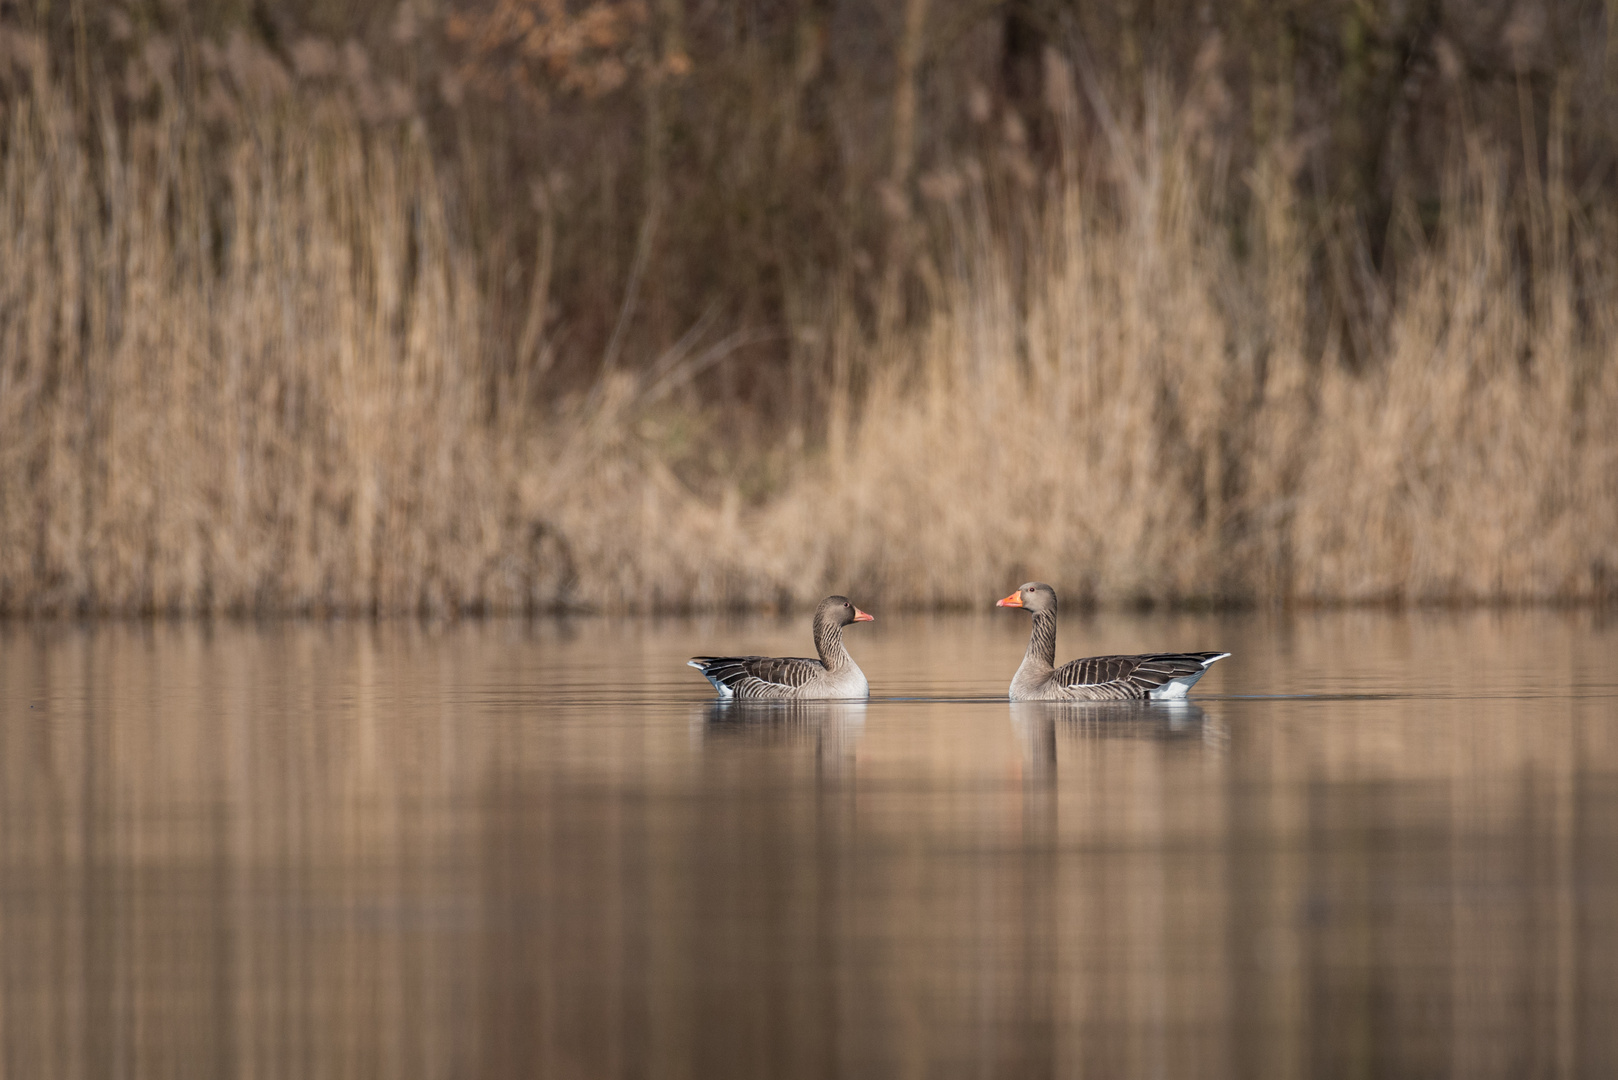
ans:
(1372, 845)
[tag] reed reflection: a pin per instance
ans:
(329, 851)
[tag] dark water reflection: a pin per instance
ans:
(1374, 845)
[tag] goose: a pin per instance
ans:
(834, 676)
(1152, 676)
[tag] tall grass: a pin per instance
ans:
(240, 381)
(259, 371)
(1154, 424)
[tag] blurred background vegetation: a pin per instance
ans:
(508, 305)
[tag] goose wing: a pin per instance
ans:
(757, 676)
(1151, 675)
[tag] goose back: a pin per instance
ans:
(1155, 676)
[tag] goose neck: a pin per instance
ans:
(1042, 640)
(829, 644)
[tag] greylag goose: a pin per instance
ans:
(1154, 676)
(833, 676)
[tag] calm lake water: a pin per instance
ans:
(1374, 846)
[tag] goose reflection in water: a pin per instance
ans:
(829, 729)
(1039, 725)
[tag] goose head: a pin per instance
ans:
(1034, 596)
(840, 611)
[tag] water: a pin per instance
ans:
(1374, 845)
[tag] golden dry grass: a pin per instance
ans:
(1156, 427)
(271, 385)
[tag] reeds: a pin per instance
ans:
(1156, 427)
(258, 372)
(238, 381)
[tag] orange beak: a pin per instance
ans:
(1014, 600)
(860, 616)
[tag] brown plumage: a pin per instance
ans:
(833, 676)
(1156, 676)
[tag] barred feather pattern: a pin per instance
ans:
(754, 677)
(1131, 678)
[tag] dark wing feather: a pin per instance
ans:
(1131, 676)
(759, 676)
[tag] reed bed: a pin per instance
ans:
(1155, 426)
(261, 373)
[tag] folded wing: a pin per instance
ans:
(1124, 678)
(756, 676)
